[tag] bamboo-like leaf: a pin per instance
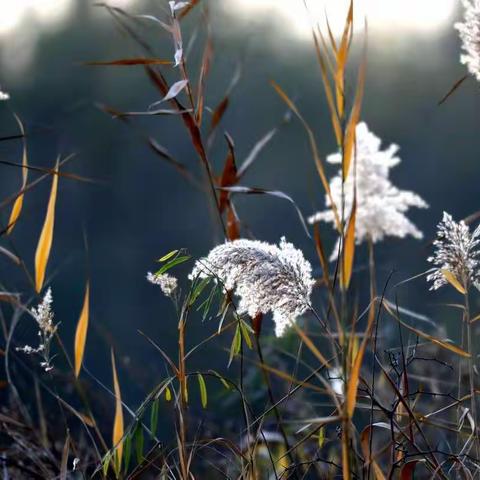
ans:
(17, 206)
(46, 236)
(453, 280)
(81, 332)
(203, 390)
(117, 434)
(349, 249)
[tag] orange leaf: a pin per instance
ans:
(117, 437)
(17, 206)
(81, 332)
(349, 249)
(46, 237)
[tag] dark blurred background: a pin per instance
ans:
(140, 208)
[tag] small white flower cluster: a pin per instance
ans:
(456, 251)
(469, 32)
(43, 315)
(267, 278)
(4, 96)
(167, 283)
(381, 206)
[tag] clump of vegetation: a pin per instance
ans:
(349, 386)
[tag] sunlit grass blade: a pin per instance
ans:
(354, 377)
(117, 434)
(342, 55)
(46, 236)
(17, 206)
(81, 332)
(349, 249)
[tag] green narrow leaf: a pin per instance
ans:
(138, 440)
(246, 334)
(168, 256)
(321, 437)
(154, 416)
(222, 379)
(106, 462)
(199, 287)
(173, 263)
(127, 452)
(236, 345)
(203, 390)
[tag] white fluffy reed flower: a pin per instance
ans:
(43, 315)
(267, 278)
(4, 96)
(469, 31)
(167, 283)
(381, 206)
(456, 251)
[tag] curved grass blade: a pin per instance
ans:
(81, 332)
(46, 236)
(117, 434)
(17, 206)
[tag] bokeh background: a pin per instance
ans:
(139, 208)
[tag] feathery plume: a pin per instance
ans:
(469, 32)
(456, 251)
(381, 206)
(167, 283)
(267, 278)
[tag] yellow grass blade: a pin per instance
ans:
(349, 249)
(117, 436)
(349, 140)
(354, 377)
(426, 336)
(313, 146)
(342, 55)
(81, 332)
(453, 280)
(46, 237)
(17, 206)
(323, 62)
(311, 346)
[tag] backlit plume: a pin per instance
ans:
(381, 206)
(267, 278)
